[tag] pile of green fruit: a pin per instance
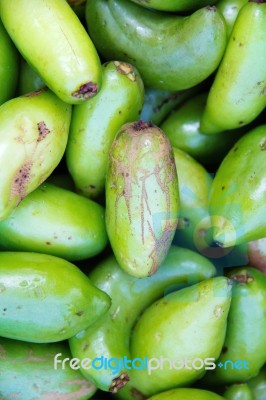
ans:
(132, 199)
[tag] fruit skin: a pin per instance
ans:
(175, 5)
(142, 198)
(237, 198)
(186, 394)
(27, 372)
(194, 183)
(29, 80)
(78, 6)
(230, 9)
(256, 251)
(184, 325)
(258, 384)
(37, 126)
(46, 299)
(182, 127)
(170, 52)
(245, 336)
(240, 391)
(110, 335)
(238, 93)
(54, 42)
(9, 70)
(56, 221)
(94, 125)
(159, 103)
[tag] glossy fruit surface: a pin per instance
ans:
(46, 299)
(142, 197)
(171, 52)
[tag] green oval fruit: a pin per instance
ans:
(230, 9)
(189, 324)
(182, 127)
(238, 93)
(110, 335)
(37, 126)
(29, 80)
(94, 125)
(27, 371)
(9, 62)
(239, 391)
(142, 198)
(245, 336)
(186, 394)
(56, 221)
(175, 5)
(237, 198)
(194, 183)
(45, 298)
(171, 52)
(53, 40)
